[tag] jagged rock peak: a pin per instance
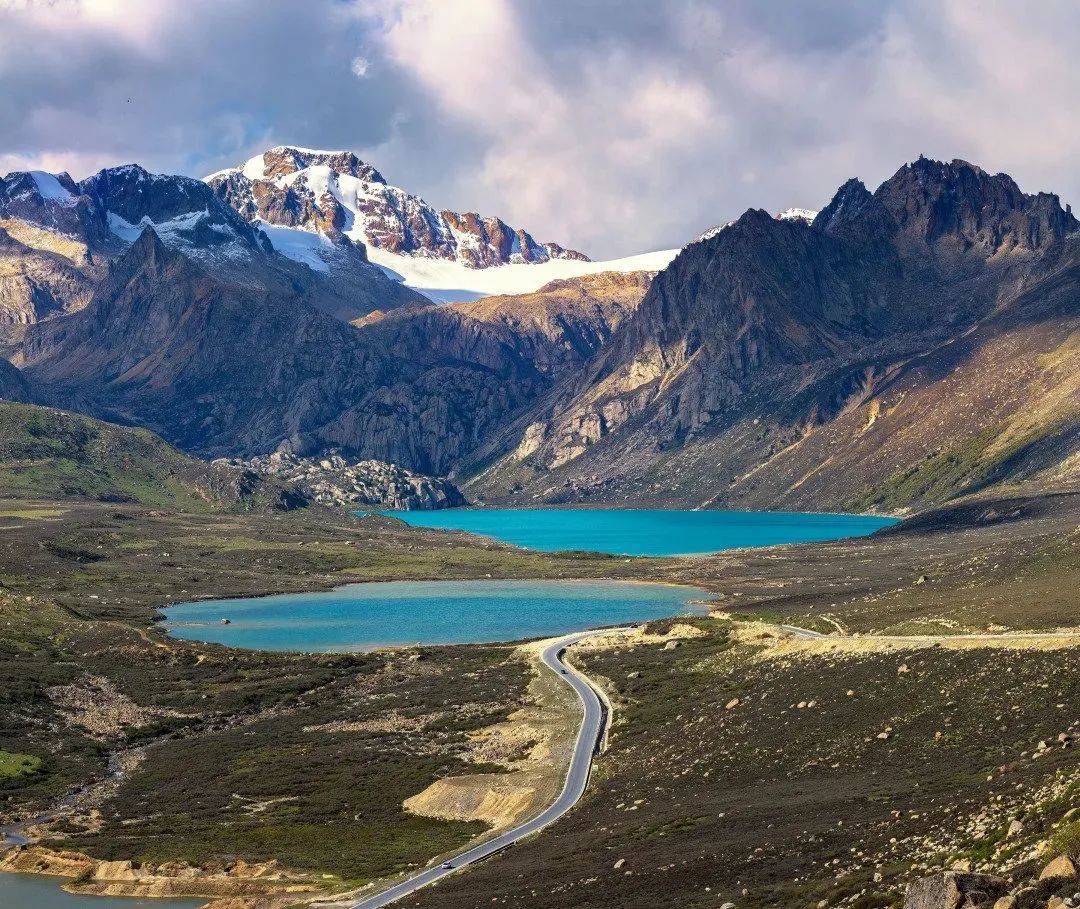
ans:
(956, 203)
(283, 160)
(852, 200)
(183, 211)
(334, 193)
(933, 200)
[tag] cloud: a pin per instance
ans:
(610, 126)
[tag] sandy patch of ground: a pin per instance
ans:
(639, 635)
(95, 705)
(251, 881)
(776, 642)
(534, 745)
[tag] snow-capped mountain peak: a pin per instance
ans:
(335, 193)
(797, 214)
(788, 214)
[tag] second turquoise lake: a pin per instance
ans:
(644, 531)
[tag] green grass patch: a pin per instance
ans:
(13, 764)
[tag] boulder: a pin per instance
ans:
(954, 890)
(1061, 867)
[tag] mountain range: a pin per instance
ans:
(900, 347)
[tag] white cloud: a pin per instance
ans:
(614, 127)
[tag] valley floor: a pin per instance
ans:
(745, 765)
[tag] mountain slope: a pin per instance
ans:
(13, 386)
(221, 366)
(36, 285)
(50, 454)
(778, 364)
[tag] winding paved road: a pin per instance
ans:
(577, 777)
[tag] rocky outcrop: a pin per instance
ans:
(172, 879)
(36, 285)
(335, 193)
(955, 890)
(333, 481)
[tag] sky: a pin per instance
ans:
(611, 126)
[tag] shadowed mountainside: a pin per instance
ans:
(910, 345)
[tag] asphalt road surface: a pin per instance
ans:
(577, 777)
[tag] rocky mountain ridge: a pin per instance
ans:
(336, 194)
(59, 236)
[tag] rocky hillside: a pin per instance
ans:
(335, 482)
(335, 194)
(561, 326)
(13, 386)
(51, 454)
(222, 366)
(906, 346)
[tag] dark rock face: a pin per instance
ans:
(962, 205)
(62, 207)
(955, 890)
(13, 387)
(189, 208)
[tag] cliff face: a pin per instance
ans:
(845, 362)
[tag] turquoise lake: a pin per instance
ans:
(362, 616)
(644, 532)
(25, 891)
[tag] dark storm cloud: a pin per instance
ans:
(613, 126)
